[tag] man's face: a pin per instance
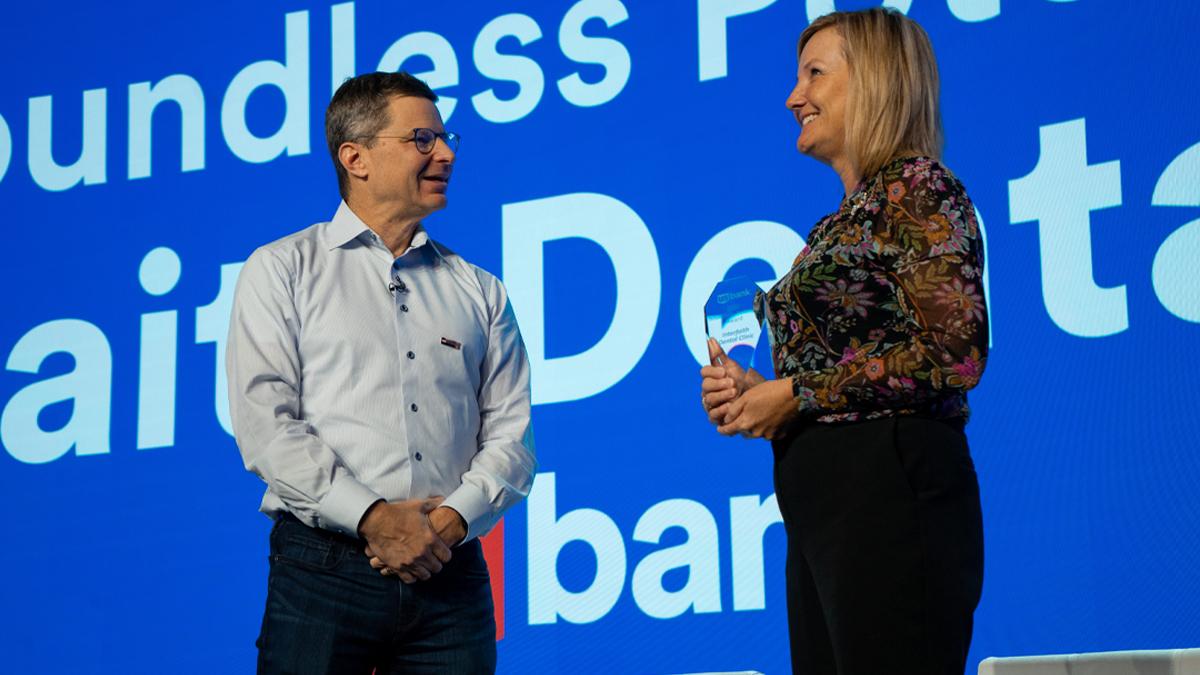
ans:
(401, 178)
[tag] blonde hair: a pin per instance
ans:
(892, 107)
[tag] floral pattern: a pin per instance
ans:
(883, 312)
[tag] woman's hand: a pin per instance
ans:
(722, 382)
(762, 411)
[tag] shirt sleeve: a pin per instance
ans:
(932, 259)
(263, 365)
(501, 473)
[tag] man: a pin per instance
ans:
(379, 386)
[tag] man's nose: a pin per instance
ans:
(442, 151)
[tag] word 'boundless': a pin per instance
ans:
(291, 77)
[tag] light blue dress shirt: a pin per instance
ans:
(355, 377)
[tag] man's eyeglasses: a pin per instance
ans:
(424, 139)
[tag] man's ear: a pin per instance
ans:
(353, 160)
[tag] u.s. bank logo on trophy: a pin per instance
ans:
(735, 316)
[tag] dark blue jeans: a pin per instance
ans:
(328, 611)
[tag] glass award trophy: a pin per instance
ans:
(735, 316)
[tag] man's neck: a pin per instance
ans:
(395, 229)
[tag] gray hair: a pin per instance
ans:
(359, 110)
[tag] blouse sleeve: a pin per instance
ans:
(931, 257)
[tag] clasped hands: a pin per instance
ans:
(411, 539)
(742, 402)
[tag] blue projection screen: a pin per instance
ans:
(620, 157)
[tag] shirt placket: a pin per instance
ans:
(405, 285)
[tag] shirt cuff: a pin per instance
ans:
(344, 505)
(475, 508)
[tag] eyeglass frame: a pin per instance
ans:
(451, 139)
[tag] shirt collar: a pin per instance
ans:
(420, 238)
(346, 227)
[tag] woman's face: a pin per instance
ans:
(819, 99)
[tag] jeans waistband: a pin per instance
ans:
(338, 537)
(469, 549)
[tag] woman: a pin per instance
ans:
(877, 332)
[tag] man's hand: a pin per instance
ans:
(722, 382)
(449, 525)
(764, 411)
(400, 536)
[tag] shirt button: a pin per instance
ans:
(418, 456)
(412, 355)
(403, 308)
(413, 407)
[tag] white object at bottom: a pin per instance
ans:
(1150, 662)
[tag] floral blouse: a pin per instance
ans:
(882, 313)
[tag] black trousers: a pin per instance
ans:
(885, 546)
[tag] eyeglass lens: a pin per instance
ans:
(425, 138)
